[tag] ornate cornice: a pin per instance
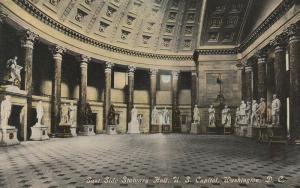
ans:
(279, 11)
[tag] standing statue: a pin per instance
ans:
(154, 116)
(262, 112)
(237, 116)
(5, 111)
(166, 117)
(112, 115)
(275, 112)
(39, 112)
(248, 112)
(72, 114)
(254, 116)
(196, 115)
(134, 114)
(211, 119)
(243, 112)
(64, 114)
(14, 71)
(177, 122)
(226, 117)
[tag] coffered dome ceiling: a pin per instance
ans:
(158, 26)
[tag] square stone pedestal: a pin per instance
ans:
(249, 132)
(73, 131)
(39, 132)
(8, 136)
(195, 128)
(155, 128)
(212, 130)
(184, 128)
(166, 128)
(111, 129)
(64, 131)
(88, 130)
(133, 128)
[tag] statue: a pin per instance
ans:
(72, 114)
(262, 112)
(134, 116)
(237, 116)
(154, 116)
(134, 126)
(211, 119)
(88, 115)
(248, 112)
(196, 115)
(5, 111)
(242, 112)
(166, 116)
(64, 115)
(254, 116)
(111, 115)
(39, 112)
(177, 122)
(226, 117)
(14, 71)
(275, 111)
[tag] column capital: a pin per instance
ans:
(153, 71)
(240, 66)
(293, 32)
(131, 68)
(279, 42)
(261, 56)
(108, 66)
(3, 16)
(194, 73)
(57, 51)
(84, 59)
(248, 69)
(28, 39)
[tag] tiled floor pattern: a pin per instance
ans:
(70, 162)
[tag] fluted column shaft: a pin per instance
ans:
(240, 77)
(153, 89)
(249, 83)
(130, 101)
(261, 76)
(56, 88)
(174, 95)
(107, 93)
(193, 92)
(83, 86)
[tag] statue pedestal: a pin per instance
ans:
(8, 136)
(166, 128)
(39, 132)
(73, 131)
(241, 129)
(64, 131)
(184, 128)
(249, 131)
(12, 89)
(155, 128)
(212, 130)
(88, 130)
(133, 128)
(195, 128)
(111, 129)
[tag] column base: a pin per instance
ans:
(88, 130)
(39, 133)
(8, 136)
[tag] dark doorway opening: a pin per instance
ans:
(94, 120)
(15, 121)
(33, 121)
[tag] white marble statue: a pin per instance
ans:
(226, 117)
(134, 126)
(237, 116)
(243, 112)
(5, 111)
(262, 112)
(160, 118)
(39, 113)
(154, 116)
(254, 116)
(275, 111)
(14, 69)
(248, 112)
(166, 117)
(134, 114)
(196, 114)
(72, 114)
(211, 119)
(64, 114)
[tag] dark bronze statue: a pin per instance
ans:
(111, 115)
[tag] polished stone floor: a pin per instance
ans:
(107, 160)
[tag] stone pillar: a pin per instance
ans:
(84, 60)
(130, 99)
(57, 52)
(107, 93)
(294, 59)
(261, 74)
(174, 85)
(153, 89)
(280, 76)
(249, 83)
(3, 17)
(27, 44)
(240, 77)
(193, 92)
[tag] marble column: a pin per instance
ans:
(3, 17)
(174, 85)
(240, 77)
(27, 44)
(84, 60)
(153, 89)
(294, 59)
(193, 92)
(130, 99)
(57, 52)
(280, 76)
(249, 83)
(107, 93)
(261, 75)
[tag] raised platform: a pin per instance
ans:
(195, 128)
(111, 129)
(8, 136)
(64, 131)
(39, 132)
(88, 130)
